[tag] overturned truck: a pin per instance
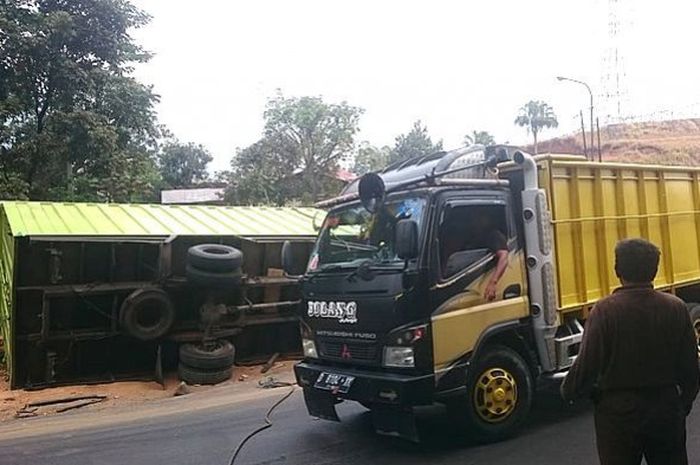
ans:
(95, 292)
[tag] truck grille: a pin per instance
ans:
(349, 350)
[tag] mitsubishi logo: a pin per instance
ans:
(345, 353)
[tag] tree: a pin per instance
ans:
(414, 143)
(261, 174)
(535, 116)
(370, 158)
(303, 143)
(479, 137)
(316, 135)
(182, 165)
(73, 124)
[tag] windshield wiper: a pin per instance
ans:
(330, 268)
(364, 271)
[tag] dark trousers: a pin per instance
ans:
(647, 423)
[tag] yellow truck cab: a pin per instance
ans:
(394, 306)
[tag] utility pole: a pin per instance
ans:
(597, 125)
(583, 133)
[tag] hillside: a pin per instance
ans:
(675, 142)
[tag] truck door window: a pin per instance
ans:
(469, 235)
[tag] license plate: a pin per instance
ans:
(334, 382)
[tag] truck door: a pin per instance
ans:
(468, 234)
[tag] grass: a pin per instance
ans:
(675, 142)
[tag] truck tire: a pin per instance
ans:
(694, 310)
(499, 395)
(218, 355)
(212, 279)
(198, 376)
(147, 314)
(214, 257)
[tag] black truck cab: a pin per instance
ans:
(393, 306)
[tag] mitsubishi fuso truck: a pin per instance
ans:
(464, 277)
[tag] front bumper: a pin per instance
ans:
(390, 395)
(370, 387)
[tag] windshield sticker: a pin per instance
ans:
(344, 312)
(409, 208)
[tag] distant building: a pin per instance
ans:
(345, 175)
(202, 196)
(341, 174)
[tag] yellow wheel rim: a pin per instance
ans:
(696, 326)
(495, 395)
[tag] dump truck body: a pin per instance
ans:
(594, 205)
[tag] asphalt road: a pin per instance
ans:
(556, 434)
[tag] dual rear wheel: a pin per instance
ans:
(209, 363)
(214, 266)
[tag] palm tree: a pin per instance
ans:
(479, 137)
(536, 115)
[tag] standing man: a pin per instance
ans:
(639, 363)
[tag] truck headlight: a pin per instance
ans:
(399, 357)
(309, 347)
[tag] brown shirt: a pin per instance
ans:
(636, 338)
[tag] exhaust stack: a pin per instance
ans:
(540, 267)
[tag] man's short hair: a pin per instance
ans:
(636, 260)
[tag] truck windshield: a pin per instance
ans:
(351, 235)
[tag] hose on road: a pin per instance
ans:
(268, 423)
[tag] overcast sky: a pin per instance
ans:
(457, 66)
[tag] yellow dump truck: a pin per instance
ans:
(398, 295)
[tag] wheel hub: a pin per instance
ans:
(495, 395)
(499, 395)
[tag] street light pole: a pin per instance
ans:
(588, 88)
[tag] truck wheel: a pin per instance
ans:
(219, 354)
(198, 376)
(212, 279)
(214, 257)
(147, 314)
(499, 395)
(694, 310)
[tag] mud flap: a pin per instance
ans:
(395, 421)
(321, 404)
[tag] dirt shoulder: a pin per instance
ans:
(122, 396)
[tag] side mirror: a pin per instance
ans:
(287, 259)
(406, 238)
(371, 191)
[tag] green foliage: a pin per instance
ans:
(261, 174)
(304, 140)
(182, 165)
(416, 142)
(479, 137)
(73, 124)
(535, 116)
(370, 158)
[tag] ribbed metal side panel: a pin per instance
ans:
(91, 219)
(594, 205)
(7, 249)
